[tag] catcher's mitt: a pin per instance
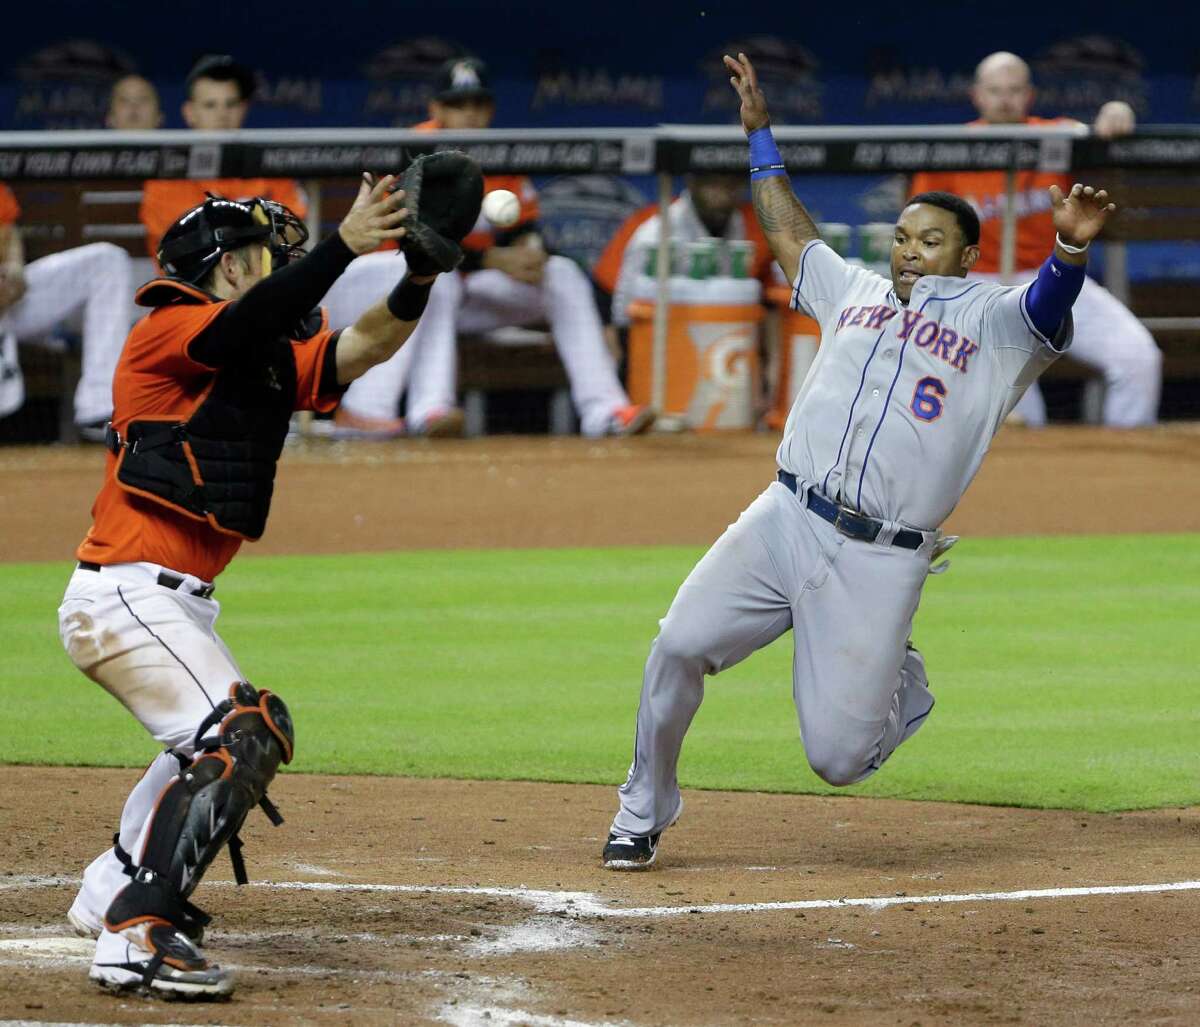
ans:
(443, 192)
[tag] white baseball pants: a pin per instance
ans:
(859, 690)
(155, 651)
(91, 289)
(476, 303)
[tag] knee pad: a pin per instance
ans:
(203, 808)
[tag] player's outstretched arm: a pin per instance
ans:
(1078, 218)
(386, 326)
(783, 218)
(382, 329)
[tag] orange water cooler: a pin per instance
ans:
(712, 351)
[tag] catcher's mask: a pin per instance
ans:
(193, 245)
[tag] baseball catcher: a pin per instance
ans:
(203, 394)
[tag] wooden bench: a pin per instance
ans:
(512, 360)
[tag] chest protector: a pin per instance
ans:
(219, 465)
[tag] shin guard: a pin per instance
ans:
(204, 807)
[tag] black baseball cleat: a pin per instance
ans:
(622, 852)
(635, 852)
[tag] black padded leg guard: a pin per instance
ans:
(203, 808)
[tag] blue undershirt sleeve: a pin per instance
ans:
(1052, 295)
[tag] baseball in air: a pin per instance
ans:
(501, 208)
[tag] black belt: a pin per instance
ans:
(165, 578)
(849, 522)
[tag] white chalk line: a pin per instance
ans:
(498, 1016)
(543, 936)
(587, 904)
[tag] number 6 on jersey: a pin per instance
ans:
(927, 398)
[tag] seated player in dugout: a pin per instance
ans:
(712, 206)
(218, 91)
(133, 106)
(1108, 336)
(85, 289)
(506, 279)
(204, 391)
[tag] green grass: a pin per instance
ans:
(1066, 670)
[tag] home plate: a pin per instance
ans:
(51, 948)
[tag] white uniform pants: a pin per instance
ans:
(155, 651)
(476, 303)
(91, 289)
(1109, 338)
(859, 690)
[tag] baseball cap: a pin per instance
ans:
(223, 68)
(463, 78)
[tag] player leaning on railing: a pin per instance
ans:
(913, 378)
(203, 394)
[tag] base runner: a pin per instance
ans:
(913, 378)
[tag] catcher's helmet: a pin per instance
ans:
(191, 247)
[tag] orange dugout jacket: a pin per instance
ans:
(10, 210)
(984, 190)
(164, 199)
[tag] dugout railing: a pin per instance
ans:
(84, 186)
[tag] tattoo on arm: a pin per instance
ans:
(779, 212)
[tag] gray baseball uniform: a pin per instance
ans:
(893, 420)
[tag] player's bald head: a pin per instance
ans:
(1001, 64)
(1002, 92)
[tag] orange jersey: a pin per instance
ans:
(984, 190)
(165, 199)
(482, 237)
(10, 210)
(156, 379)
(608, 266)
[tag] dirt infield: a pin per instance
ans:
(393, 901)
(485, 904)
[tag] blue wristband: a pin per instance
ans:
(765, 160)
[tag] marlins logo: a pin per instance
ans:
(464, 76)
(1077, 75)
(787, 70)
(66, 85)
(402, 76)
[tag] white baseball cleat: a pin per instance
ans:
(160, 960)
